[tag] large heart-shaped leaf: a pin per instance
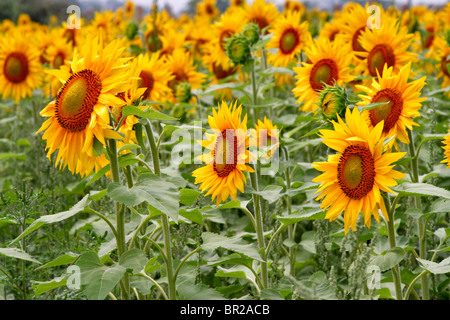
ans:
(159, 193)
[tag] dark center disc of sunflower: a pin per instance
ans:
(222, 73)
(389, 112)
(289, 40)
(16, 67)
(379, 56)
(323, 72)
(355, 43)
(356, 171)
(76, 100)
(58, 60)
(225, 153)
(146, 81)
(445, 66)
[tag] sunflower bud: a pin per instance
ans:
(131, 30)
(183, 92)
(154, 43)
(251, 32)
(238, 49)
(332, 101)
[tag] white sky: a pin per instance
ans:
(179, 5)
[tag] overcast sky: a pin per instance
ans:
(179, 5)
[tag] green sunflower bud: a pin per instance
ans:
(332, 101)
(131, 30)
(238, 49)
(251, 32)
(183, 92)
(154, 43)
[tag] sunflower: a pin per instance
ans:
(262, 13)
(207, 8)
(129, 97)
(387, 45)
(58, 54)
(225, 161)
(181, 65)
(79, 115)
(20, 67)
(353, 21)
(442, 55)
(328, 64)
(129, 9)
(290, 36)
(154, 76)
(353, 177)
(446, 148)
(171, 39)
(231, 22)
(403, 102)
(219, 71)
(265, 137)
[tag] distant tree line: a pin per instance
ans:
(38, 10)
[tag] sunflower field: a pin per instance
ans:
(257, 152)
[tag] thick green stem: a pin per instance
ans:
(393, 244)
(164, 219)
(120, 216)
(421, 223)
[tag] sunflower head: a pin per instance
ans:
(227, 154)
(264, 138)
(353, 178)
(401, 101)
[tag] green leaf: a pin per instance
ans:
(53, 218)
(67, 258)
(17, 254)
(278, 70)
(17, 156)
(133, 260)
(239, 272)
(40, 287)
(150, 114)
(188, 196)
(152, 265)
(388, 259)
(307, 214)
(97, 280)
(271, 193)
(159, 193)
(213, 241)
(227, 85)
(436, 268)
(128, 146)
(194, 215)
(234, 258)
(421, 189)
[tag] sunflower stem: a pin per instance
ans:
(421, 223)
(120, 216)
(164, 218)
(255, 93)
(259, 226)
(291, 229)
(392, 243)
